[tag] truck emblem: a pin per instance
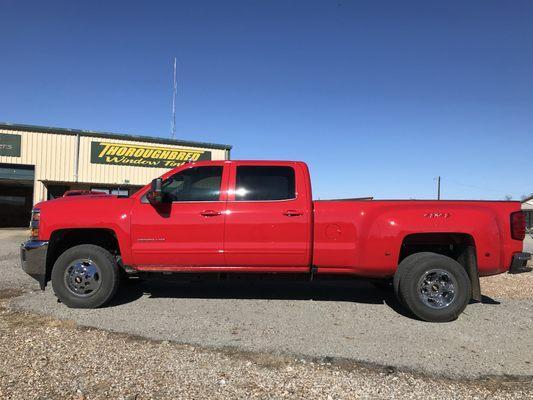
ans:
(437, 215)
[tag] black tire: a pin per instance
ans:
(428, 275)
(105, 276)
(405, 266)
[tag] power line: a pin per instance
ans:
(476, 187)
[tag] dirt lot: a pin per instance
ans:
(163, 340)
(508, 286)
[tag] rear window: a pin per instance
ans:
(264, 183)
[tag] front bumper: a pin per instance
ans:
(519, 263)
(33, 260)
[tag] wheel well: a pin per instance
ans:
(64, 239)
(459, 246)
(448, 244)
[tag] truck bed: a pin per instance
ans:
(366, 237)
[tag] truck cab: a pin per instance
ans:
(246, 215)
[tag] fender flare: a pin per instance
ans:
(469, 260)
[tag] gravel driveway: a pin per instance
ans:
(265, 340)
(353, 323)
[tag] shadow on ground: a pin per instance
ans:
(335, 291)
(355, 291)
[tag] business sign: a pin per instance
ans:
(9, 145)
(144, 156)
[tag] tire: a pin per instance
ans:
(85, 276)
(405, 266)
(435, 288)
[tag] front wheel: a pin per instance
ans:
(85, 276)
(436, 288)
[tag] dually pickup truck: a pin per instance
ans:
(250, 217)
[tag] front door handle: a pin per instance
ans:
(210, 213)
(292, 213)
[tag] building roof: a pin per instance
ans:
(527, 199)
(110, 135)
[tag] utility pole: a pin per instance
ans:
(438, 188)
(174, 92)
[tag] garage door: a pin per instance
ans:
(16, 194)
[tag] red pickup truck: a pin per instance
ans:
(251, 217)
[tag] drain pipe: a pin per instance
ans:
(77, 158)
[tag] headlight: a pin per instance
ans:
(34, 223)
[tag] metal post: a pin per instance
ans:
(174, 91)
(77, 158)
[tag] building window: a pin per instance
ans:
(264, 183)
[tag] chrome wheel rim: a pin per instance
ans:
(437, 288)
(83, 277)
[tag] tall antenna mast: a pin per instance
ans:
(174, 92)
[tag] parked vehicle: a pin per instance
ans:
(81, 193)
(259, 217)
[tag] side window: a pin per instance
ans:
(264, 183)
(193, 184)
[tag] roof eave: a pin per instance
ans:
(111, 135)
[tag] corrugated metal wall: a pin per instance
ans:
(54, 158)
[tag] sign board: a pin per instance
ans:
(144, 156)
(9, 145)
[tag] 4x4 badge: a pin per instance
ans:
(437, 215)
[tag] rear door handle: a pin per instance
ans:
(210, 213)
(292, 213)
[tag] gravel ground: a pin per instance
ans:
(42, 357)
(322, 320)
(243, 341)
(11, 275)
(507, 286)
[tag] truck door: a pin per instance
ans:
(187, 230)
(268, 216)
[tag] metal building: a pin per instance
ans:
(40, 163)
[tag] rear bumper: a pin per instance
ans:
(33, 260)
(519, 263)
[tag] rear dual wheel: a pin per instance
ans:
(433, 287)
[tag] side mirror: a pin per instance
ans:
(155, 195)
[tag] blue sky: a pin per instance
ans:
(379, 97)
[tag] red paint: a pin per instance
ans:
(185, 233)
(269, 233)
(342, 237)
